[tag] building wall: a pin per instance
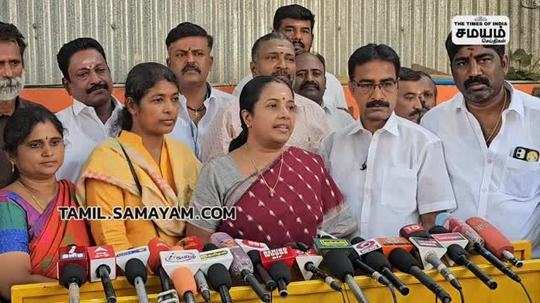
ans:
(134, 31)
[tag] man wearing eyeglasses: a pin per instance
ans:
(390, 170)
(92, 117)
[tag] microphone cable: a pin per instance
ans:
(526, 292)
(461, 297)
(393, 292)
(343, 296)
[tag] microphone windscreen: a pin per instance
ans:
(356, 240)
(402, 260)
(413, 230)
(376, 260)
(254, 256)
(455, 251)
(217, 276)
(241, 261)
(338, 263)
(494, 240)
(135, 268)
(155, 246)
(209, 247)
(438, 229)
(280, 271)
(183, 280)
(72, 273)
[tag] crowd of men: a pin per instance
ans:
(403, 158)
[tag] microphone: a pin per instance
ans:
(459, 255)
(185, 286)
(103, 268)
(241, 266)
(341, 267)
(455, 244)
(370, 252)
(218, 272)
(282, 274)
(429, 250)
(255, 258)
(403, 261)
(323, 246)
(133, 263)
(209, 257)
(72, 269)
(494, 240)
(156, 246)
(181, 266)
(308, 265)
(456, 225)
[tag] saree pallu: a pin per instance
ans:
(305, 199)
(47, 232)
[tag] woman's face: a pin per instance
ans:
(41, 154)
(274, 115)
(156, 114)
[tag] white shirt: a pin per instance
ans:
(190, 133)
(338, 118)
(488, 182)
(333, 95)
(404, 177)
(84, 131)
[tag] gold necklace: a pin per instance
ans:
(499, 121)
(271, 190)
(38, 202)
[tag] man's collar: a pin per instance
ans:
(516, 103)
(390, 126)
(78, 106)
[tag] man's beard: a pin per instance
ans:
(10, 88)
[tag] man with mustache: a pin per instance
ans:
(390, 170)
(416, 94)
(271, 55)
(189, 56)
(310, 82)
(491, 141)
(296, 23)
(93, 115)
(12, 46)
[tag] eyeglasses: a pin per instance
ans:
(368, 87)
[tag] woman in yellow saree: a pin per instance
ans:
(142, 167)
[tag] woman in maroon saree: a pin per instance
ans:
(281, 194)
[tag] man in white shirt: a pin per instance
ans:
(271, 55)
(93, 115)
(491, 141)
(310, 82)
(189, 56)
(391, 171)
(296, 23)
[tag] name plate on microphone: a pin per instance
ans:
(221, 255)
(324, 245)
(171, 260)
(367, 246)
(428, 246)
(448, 239)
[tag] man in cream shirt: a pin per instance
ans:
(93, 115)
(491, 142)
(390, 170)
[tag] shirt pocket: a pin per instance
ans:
(521, 179)
(399, 189)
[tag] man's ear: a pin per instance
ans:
(505, 63)
(65, 84)
(168, 61)
(253, 68)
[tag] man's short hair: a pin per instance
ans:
(452, 48)
(188, 29)
(69, 49)
(317, 55)
(10, 33)
(257, 45)
(407, 74)
(293, 11)
(372, 52)
(536, 92)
